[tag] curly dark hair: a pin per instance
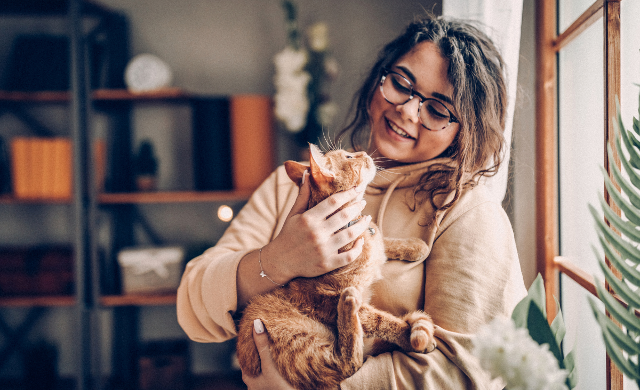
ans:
(476, 71)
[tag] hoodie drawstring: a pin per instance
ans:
(385, 199)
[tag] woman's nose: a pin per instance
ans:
(409, 110)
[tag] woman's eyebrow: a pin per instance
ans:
(412, 78)
(442, 97)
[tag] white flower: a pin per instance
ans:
(318, 36)
(510, 353)
(326, 112)
(331, 67)
(291, 81)
(290, 60)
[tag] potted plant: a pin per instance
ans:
(622, 346)
(146, 167)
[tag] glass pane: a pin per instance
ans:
(630, 69)
(581, 153)
(570, 10)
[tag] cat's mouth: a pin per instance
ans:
(398, 130)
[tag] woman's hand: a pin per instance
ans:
(269, 377)
(308, 244)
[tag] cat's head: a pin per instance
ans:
(334, 171)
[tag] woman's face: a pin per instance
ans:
(396, 130)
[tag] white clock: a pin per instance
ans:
(146, 72)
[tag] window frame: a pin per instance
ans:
(549, 43)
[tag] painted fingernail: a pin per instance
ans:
(363, 203)
(358, 189)
(368, 218)
(257, 326)
(304, 177)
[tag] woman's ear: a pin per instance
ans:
(295, 170)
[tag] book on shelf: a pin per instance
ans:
(42, 168)
(252, 140)
(211, 144)
(233, 142)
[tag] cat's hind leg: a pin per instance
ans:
(414, 332)
(350, 333)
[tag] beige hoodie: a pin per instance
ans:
(471, 275)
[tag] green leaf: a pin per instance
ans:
(627, 367)
(570, 364)
(619, 286)
(558, 328)
(632, 213)
(626, 250)
(626, 227)
(617, 310)
(622, 340)
(535, 294)
(629, 273)
(633, 175)
(540, 332)
(636, 126)
(624, 185)
(618, 126)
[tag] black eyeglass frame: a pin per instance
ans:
(413, 92)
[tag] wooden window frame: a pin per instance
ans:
(548, 46)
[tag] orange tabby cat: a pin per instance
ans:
(317, 325)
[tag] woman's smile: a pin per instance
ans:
(395, 129)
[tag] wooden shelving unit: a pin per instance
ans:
(121, 204)
(38, 301)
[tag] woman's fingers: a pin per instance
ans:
(345, 236)
(340, 219)
(269, 377)
(302, 201)
(262, 345)
(333, 203)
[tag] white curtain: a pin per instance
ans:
(502, 20)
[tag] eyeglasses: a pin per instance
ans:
(397, 90)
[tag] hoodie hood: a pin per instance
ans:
(404, 176)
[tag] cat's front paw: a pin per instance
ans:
(422, 337)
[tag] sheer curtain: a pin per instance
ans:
(502, 21)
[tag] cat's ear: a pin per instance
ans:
(319, 172)
(295, 170)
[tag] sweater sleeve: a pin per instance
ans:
(471, 275)
(207, 295)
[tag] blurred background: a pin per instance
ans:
(218, 53)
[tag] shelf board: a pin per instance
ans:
(145, 197)
(47, 7)
(10, 199)
(123, 94)
(173, 197)
(165, 299)
(44, 301)
(98, 94)
(36, 97)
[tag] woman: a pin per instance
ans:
(432, 112)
